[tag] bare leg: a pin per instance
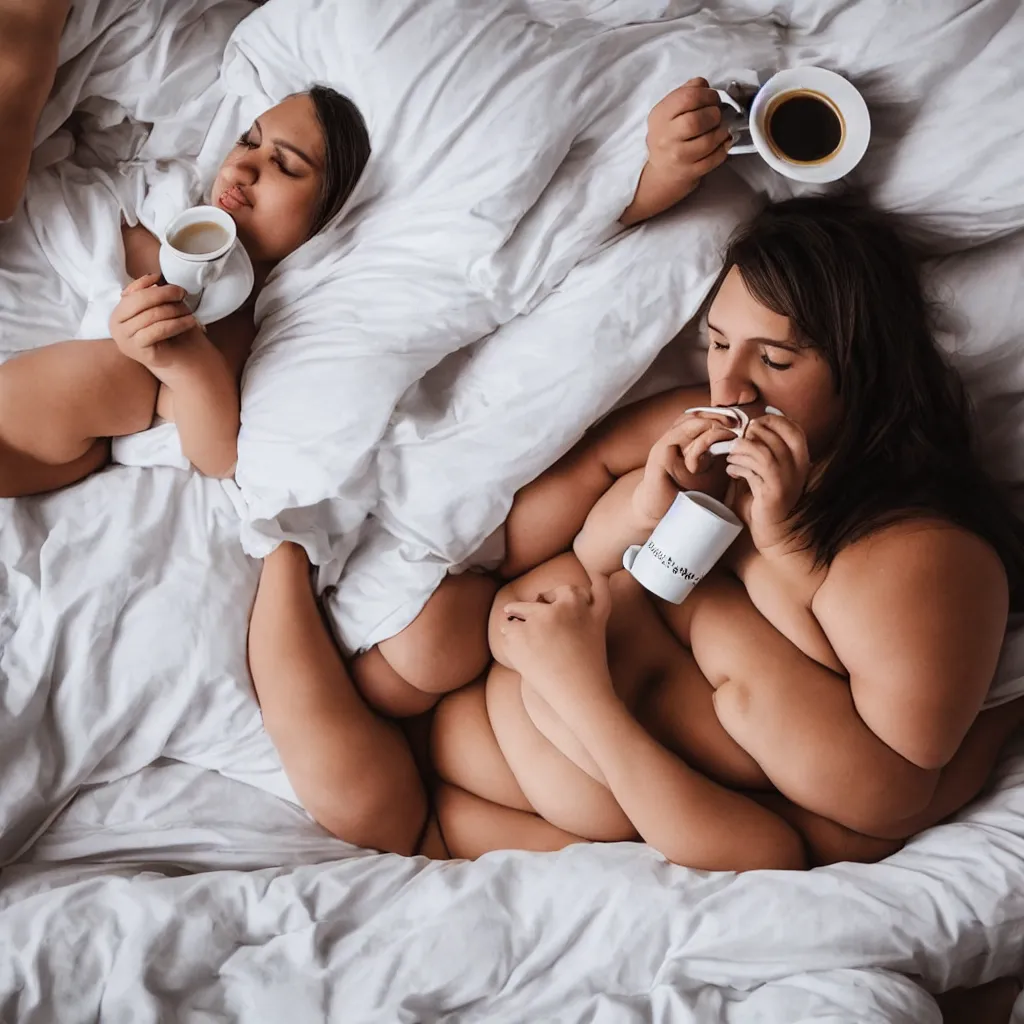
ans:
(442, 649)
(352, 771)
(472, 826)
(57, 402)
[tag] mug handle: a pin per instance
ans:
(729, 101)
(629, 556)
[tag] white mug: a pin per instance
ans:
(195, 271)
(835, 92)
(687, 542)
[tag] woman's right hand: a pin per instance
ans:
(148, 315)
(676, 460)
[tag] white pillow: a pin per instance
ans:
(504, 150)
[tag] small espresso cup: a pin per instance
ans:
(691, 537)
(807, 123)
(195, 250)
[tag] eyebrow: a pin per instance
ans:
(774, 342)
(285, 144)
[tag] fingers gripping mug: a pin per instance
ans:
(691, 537)
(808, 123)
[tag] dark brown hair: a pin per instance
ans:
(850, 286)
(346, 150)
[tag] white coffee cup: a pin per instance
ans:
(195, 271)
(690, 538)
(834, 93)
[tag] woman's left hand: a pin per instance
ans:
(772, 458)
(557, 643)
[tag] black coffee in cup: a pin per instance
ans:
(804, 127)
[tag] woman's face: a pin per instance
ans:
(270, 182)
(754, 356)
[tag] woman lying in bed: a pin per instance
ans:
(60, 405)
(824, 695)
(824, 690)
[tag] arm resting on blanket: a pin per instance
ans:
(30, 32)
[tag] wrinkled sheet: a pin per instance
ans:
(166, 877)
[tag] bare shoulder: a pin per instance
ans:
(916, 612)
(948, 561)
(623, 440)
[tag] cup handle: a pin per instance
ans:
(742, 123)
(629, 556)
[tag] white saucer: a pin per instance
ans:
(851, 105)
(229, 291)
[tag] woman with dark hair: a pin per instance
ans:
(60, 405)
(827, 691)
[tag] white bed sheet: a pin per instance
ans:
(123, 884)
(176, 891)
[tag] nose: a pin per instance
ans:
(731, 385)
(245, 170)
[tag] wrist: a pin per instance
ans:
(645, 514)
(188, 355)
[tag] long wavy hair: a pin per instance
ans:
(851, 287)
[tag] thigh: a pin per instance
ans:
(471, 826)
(827, 842)
(465, 752)
(385, 690)
(21, 474)
(445, 646)
(72, 391)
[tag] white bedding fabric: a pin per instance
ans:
(172, 891)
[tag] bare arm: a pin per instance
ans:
(920, 650)
(548, 513)
(205, 403)
(30, 32)
(685, 141)
(558, 647)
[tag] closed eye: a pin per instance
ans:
(246, 141)
(277, 159)
(772, 365)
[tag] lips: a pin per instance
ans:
(232, 199)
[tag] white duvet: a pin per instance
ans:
(396, 400)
